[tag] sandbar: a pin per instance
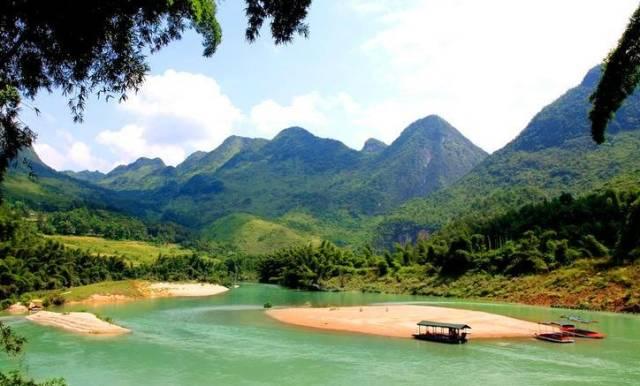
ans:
(77, 322)
(165, 289)
(399, 321)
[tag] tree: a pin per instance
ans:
(619, 79)
(628, 246)
(101, 47)
(12, 345)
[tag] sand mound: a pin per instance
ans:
(400, 320)
(78, 322)
(163, 289)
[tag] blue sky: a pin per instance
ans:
(368, 69)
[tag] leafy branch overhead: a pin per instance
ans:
(619, 80)
(101, 47)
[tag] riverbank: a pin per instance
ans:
(588, 284)
(399, 321)
(110, 292)
(129, 290)
(77, 322)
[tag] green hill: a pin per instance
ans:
(553, 154)
(253, 235)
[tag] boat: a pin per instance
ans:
(554, 336)
(579, 332)
(442, 332)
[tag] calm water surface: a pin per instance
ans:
(228, 340)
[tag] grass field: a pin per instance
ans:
(254, 235)
(126, 288)
(134, 251)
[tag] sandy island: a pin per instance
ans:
(400, 320)
(164, 289)
(148, 290)
(78, 322)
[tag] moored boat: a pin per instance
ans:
(555, 336)
(442, 332)
(580, 333)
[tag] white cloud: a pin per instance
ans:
(336, 116)
(269, 117)
(50, 156)
(71, 154)
(489, 66)
(129, 143)
(173, 114)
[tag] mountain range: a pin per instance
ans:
(298, 186)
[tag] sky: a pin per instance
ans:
(368, 69)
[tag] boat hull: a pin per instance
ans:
(555, 338)
(579, 333)
(441, 338)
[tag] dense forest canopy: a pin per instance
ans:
(535, 238)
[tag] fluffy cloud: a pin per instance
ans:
(173, 114)
(70, 154)
(488, 66)
(129, 143)
(50, 155)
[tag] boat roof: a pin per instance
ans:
(445, 325)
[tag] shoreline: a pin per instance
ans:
(125, 291)
(399, 321)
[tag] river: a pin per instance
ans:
(228, 340)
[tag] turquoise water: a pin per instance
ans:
(228, 340)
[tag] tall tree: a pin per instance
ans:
(620, 78)
(101, 47)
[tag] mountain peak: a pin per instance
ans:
(593, 77)
(293, 132)
(373, 145)
(142, 162)
(429, 128)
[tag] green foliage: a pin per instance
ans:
(620, 78)
(252, 235)
(308, 266)
(40, 48)
(534, 239)
(10, 343)
(30, 263)
(628, 246)
(553, 154)
(134, 252)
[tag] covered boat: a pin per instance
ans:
(442, 332)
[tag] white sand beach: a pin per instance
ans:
(400, 320)
(77, 322)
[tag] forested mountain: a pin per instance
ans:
(293, 176)
(553, 154)
(303, 186)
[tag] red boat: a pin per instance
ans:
(553, 336)
(580, 333)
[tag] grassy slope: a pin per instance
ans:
(134, 251)
(587, 284)
(254, 235)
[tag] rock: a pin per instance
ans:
(17, 308)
